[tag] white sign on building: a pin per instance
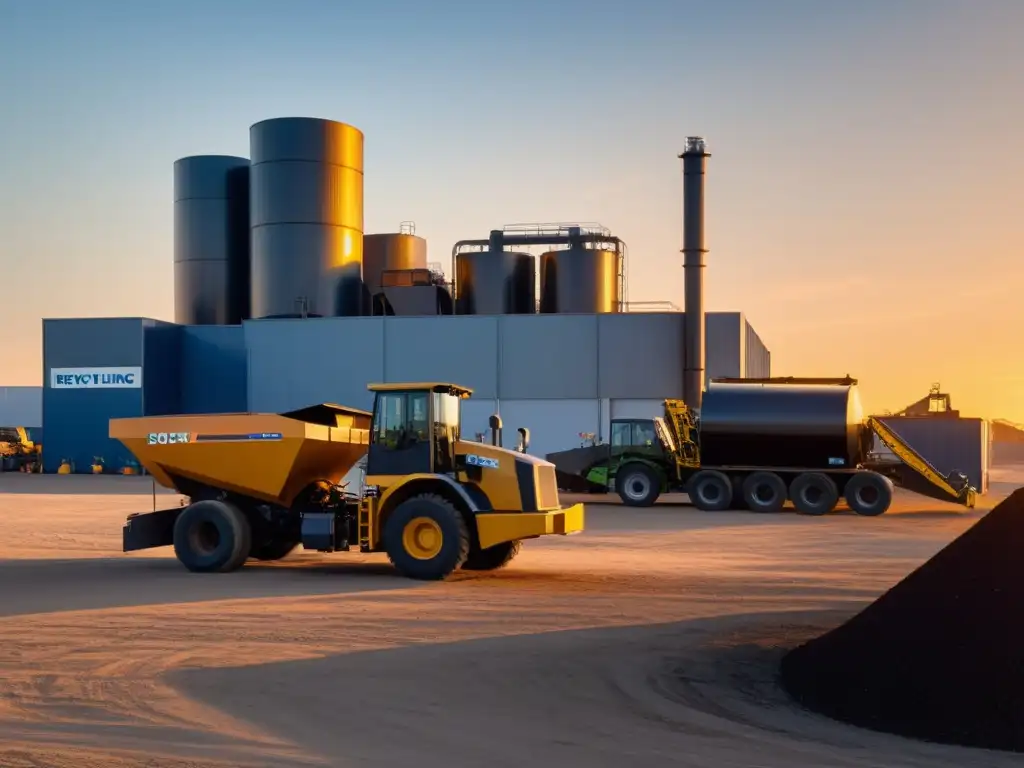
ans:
(95, 378)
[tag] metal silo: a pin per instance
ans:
(495, 283)
(211, 240)
(307, 218)
(391, 251)
(579, 280)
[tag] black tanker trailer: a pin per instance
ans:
(757, 444)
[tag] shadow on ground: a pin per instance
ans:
(80, 485)
(695, 694)
(45, 586)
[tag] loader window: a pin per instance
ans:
(401, 434)
(446, 410)
(446, 430)
(402, 419)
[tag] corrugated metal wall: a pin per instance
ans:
(724, 345)
(559, 375)
(21, 407)
(949, 444)
(293, 363)
(214, 369)
(161, 389)
(758, 359)
(524, 357)
(77, 420)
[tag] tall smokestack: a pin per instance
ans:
(694, 162)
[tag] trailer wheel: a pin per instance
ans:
(492, 558)
(764, 492)
(211, 536)
(868, 493)
(710, 491)
(638, 485)
(814, 493)
(426, 538)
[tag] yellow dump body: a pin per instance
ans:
(265, 456)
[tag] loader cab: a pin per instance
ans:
(415, 428)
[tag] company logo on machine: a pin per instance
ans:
(836, 462)
(96, 378)
(239, 438)
(167, 438)
(473, 460)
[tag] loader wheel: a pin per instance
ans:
(492, 558)
(426, 538)
(868, 493)
(275, 549)
(212, 536)
(637, 485)
(764, 492)
(710, 491)
(814, 493)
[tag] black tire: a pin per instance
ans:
(869, 494)
(212, 536)
(492, 558)
(444, 546)
(710, 491)
(814, 493)
(638, 485)
(275, 549)
(764, 492)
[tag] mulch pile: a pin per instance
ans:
(940, 656)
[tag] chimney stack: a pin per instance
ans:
(694, 162)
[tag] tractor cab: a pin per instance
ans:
(415, 428)
(638, 436)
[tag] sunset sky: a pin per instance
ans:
(865, 194)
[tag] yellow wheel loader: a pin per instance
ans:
(260, 485)
(18, 453)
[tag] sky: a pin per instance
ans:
(864, 194)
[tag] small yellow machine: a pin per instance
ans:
(261, 484)
(18, 453)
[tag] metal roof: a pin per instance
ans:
(432, 386)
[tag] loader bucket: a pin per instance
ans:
(265, 456)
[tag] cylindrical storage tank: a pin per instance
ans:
(391, 251)
(817, 426)
(495, 283)
(211, 240)
(579, 280)
(306, 205)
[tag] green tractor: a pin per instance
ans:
(644, 459)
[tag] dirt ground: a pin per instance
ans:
(651, 639)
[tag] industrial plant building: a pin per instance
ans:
(282, 301)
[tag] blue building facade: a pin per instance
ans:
(97, 369)
(75, 351)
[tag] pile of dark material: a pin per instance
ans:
(940, 656)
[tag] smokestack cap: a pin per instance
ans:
(695, 145)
